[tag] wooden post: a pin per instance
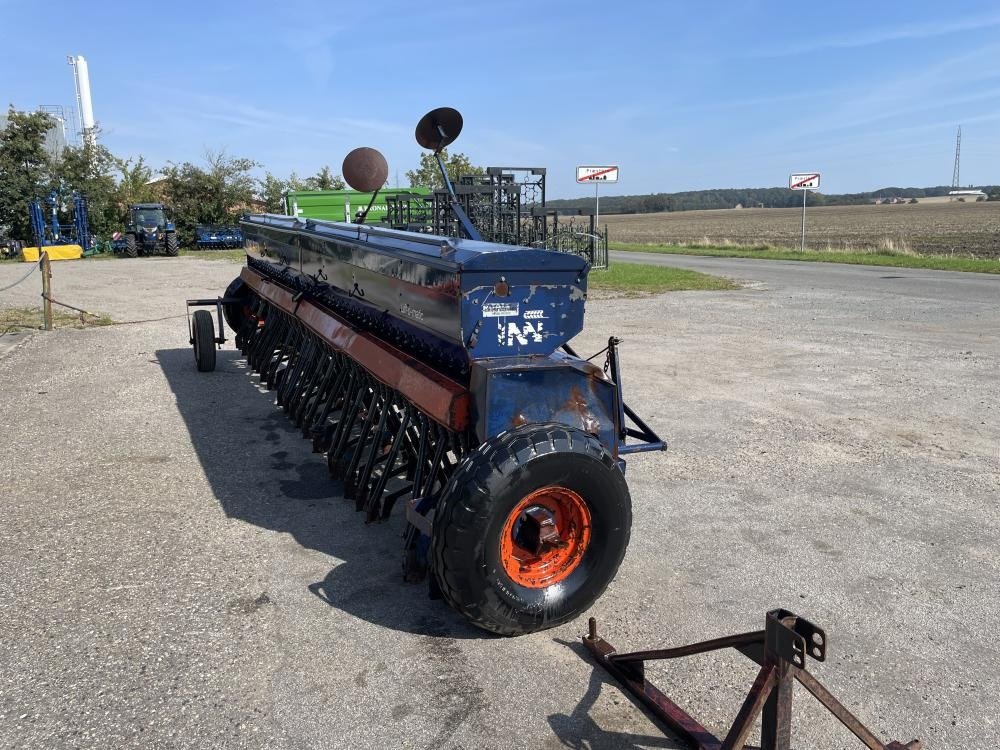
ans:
(46, 265)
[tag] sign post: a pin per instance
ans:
(597, 175)
(805, 182)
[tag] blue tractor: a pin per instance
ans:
(148, 232)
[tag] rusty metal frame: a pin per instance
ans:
(780, 649)
(441, 398)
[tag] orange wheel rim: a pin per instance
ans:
(545, 537)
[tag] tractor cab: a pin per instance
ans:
(150, 218)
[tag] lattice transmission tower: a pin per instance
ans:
(958, 160)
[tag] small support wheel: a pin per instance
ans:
(203, 335)
(531, 529)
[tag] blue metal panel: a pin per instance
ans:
(541, 311)
(511, 392)
(481, 299)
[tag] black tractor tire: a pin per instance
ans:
(478, 506)
(131, 246)
(171, 244)
(203, 333)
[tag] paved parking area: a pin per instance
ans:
(179, 572)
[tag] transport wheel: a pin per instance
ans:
(204, 340)
(131, 249)
(531, 529)
(171, 244)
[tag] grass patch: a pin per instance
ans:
(235, 255)
(887, 256)
(639, 278)
(30, 318)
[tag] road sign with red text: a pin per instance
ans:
(597, 174)
(804, 181)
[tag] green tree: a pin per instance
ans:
(272, 193)
(214, 194)
(325, 179)
(89, 170)
(133, 184)
(429, 174)
(24, 168)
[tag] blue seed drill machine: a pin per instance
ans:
(435, 372)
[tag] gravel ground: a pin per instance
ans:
(179, 573)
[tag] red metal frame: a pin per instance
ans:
(439, 397)
(780, 649)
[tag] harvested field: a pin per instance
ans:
(971, 229)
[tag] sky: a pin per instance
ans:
(680, 95)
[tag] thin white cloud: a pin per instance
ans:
(873, 37)
(270, 121)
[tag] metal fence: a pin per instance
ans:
(506, 205)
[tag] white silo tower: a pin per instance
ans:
(81, 77)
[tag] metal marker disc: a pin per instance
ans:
(428, 133)
(365, 169)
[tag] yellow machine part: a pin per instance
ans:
(56, 252)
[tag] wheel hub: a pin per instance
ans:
(536, 531)
(545, 537)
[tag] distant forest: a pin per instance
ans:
(775, 197)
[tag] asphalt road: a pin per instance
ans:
(944, 286)
(179, 572)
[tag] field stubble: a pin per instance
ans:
(962, 229)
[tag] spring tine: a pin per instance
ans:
(306, 380)
(273, 330)
(284, 353)
(358, 444)
(287, 354)
(346, 425)
(378, 440)
(440, 448)
(296, 361)
(389, 449)
(320, 428)
(311, 389)
(274, 325)
(325, 393)
(412, 439)
(292, 382)
(255, 346)
(346, 412)
(377, 506)
(421, 460)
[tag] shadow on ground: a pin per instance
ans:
(581, 729)
(263, 471)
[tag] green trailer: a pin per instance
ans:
(342, 205)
